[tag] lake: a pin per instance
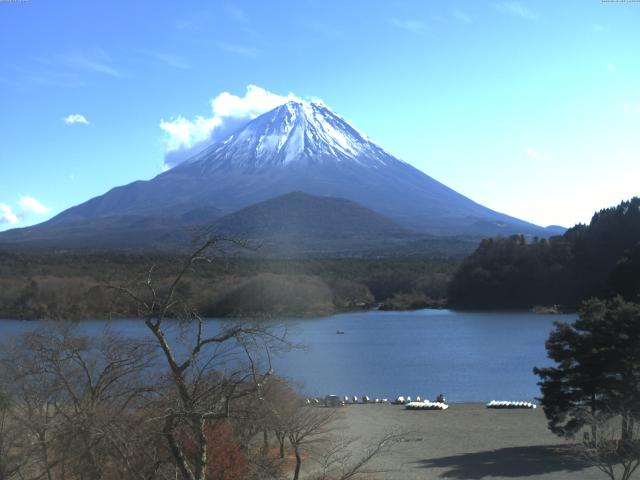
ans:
(468, 356)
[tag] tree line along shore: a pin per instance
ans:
(75, 286)
(600, 260)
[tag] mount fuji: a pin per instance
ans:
(297, 147)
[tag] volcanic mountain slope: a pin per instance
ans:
(296, 147)
(293, 225)
(300, 215)
(302, 225)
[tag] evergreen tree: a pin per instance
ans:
(598, 368)
(598, 260)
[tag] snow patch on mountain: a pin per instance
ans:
(186, 137)
(295, 132)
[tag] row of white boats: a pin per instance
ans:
(400, 400)
(407, 400)
(364, 399)
(426, 405)
(507, 404)
(498, 404)
(409, 403)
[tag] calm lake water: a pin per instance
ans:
(467, 356)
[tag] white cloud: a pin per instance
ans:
(537, 156)
(75, 118)
(6, 215)
(30, 204)
(410, 25)
(463, 17)
(611, 67)
(229, 112)
(515, 8)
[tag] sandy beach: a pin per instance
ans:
(467, 441)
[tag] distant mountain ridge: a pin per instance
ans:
(299, 214)
(297, 147)
(292, 225)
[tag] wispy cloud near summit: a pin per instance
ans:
(229, 112)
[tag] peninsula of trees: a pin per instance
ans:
(601, 260)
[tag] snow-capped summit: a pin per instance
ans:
(297, 131)
(302, 147)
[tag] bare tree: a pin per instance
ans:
(615, 450)
(209, 370)
(307, 428)
(79, 401)
(310, 431)
(11, 458)
(279, 401)
(338, 461)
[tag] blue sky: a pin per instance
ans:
(530, 108)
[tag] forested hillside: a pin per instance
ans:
(69, 285)
(595, 260)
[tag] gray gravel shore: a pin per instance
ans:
(467, 441)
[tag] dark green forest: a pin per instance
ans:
(601, 259)
(75, 285)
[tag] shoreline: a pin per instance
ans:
(307, 315)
